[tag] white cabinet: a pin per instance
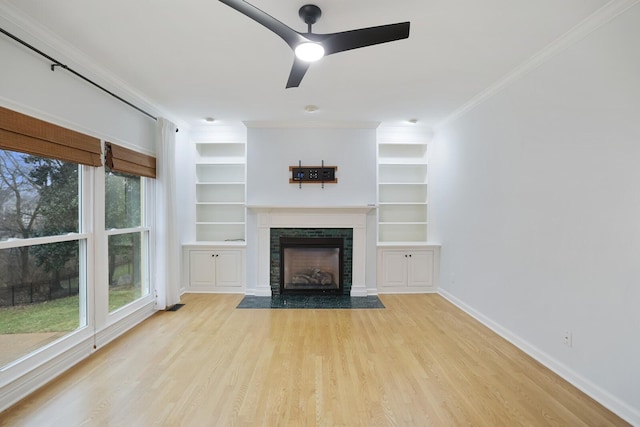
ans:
(214, 269)
(402, 184)
(220, 183)
(408, 269)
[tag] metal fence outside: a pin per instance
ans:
(37, 292)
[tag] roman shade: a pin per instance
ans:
(120, 159)
(26, 134)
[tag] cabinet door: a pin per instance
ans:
(202, 268)
(394, 268)
(229, 268)
(420, 269)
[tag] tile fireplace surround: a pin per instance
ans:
(354, 218)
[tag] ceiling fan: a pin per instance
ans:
(310, 47)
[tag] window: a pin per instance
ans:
(128, 238)
(42, 252)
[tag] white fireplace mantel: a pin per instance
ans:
(354, 217)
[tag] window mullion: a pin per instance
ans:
(18, 243)
(118, 231)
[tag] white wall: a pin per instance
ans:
(270, 152)
(536, 203)
(185, 188)
(28, 85)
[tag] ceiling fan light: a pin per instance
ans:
(309, 52)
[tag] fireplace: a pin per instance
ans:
(348, 223)
(311, 261)
(311, 265)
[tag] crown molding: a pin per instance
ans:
(594, 21)
(313, 124)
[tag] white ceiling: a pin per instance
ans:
(199, 58)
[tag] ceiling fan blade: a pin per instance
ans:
(347, 40)
(291, 37)
(298, 70)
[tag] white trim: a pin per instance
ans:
(34, 241)
(594, 21)
(52, 368)
(606, 399)
(120, 326)
(312, 124)
(328, 217)
(119, 231)
(33, 380)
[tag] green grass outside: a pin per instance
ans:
(61, 315)
(122, 296)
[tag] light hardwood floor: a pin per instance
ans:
(419, 362)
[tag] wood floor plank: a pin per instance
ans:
(419, 362)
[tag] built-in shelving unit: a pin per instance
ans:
(402, 185)
(221, 154)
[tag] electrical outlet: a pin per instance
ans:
(567, 338)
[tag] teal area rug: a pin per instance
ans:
(311, 301)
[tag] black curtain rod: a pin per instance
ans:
(56, 63)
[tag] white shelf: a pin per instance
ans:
(402, 204)
(402, 213)
(402, 153)
(220, 204)
(210, 244)
(220, 223)
(220, 232)
(225, 161)
(402, 186)
(402, 193)
(220, 193)
(216, 142)
(402, 161)
(402, 223)
(220, 213)
(407, 232)
(220, 184)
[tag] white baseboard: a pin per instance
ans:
(13, 392)
(115, 330)
(606, 399)
(405, 291)
(359, 292)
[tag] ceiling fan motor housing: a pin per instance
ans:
(310, 13)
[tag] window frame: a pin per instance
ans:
(147, 189)
(85, 238)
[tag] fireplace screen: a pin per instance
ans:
(311, 265)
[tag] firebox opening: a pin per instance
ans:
(311, 265)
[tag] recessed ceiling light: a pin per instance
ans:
(311, 108)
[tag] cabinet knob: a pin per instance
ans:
(405, 255)
(409, 255)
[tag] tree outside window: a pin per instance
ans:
(39, 260)
(127, 238)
